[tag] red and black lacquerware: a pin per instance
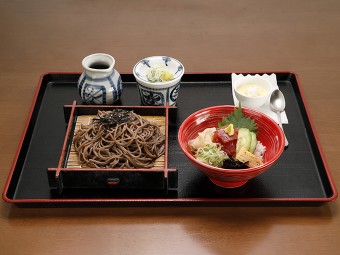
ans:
(299, 177)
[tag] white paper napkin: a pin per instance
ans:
(266, 107)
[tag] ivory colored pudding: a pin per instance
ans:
(252, 90)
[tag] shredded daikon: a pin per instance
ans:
(212, 155)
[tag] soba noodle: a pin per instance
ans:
(127, 142)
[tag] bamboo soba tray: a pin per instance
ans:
(73, 158)
(70, 174)
(291, 181)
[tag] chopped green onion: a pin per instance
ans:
(211, 155)
(159, 74)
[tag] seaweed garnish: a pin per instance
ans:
(115, 117)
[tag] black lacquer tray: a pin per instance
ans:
(300, 177)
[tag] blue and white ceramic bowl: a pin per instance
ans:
(158, 93)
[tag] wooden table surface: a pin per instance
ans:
(207, 36)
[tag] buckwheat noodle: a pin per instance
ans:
(136, 143)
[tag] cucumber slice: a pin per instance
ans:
(243, 139)
(253, 142)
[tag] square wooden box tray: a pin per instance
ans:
(291, 181)
(70, 174)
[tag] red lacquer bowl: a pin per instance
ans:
(269, 134)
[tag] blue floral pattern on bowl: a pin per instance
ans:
(159, 97)
(158, 93)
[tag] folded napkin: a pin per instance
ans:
(266, 107)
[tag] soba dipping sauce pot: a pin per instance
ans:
(99, 83)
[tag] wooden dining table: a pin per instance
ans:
(216, 36)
